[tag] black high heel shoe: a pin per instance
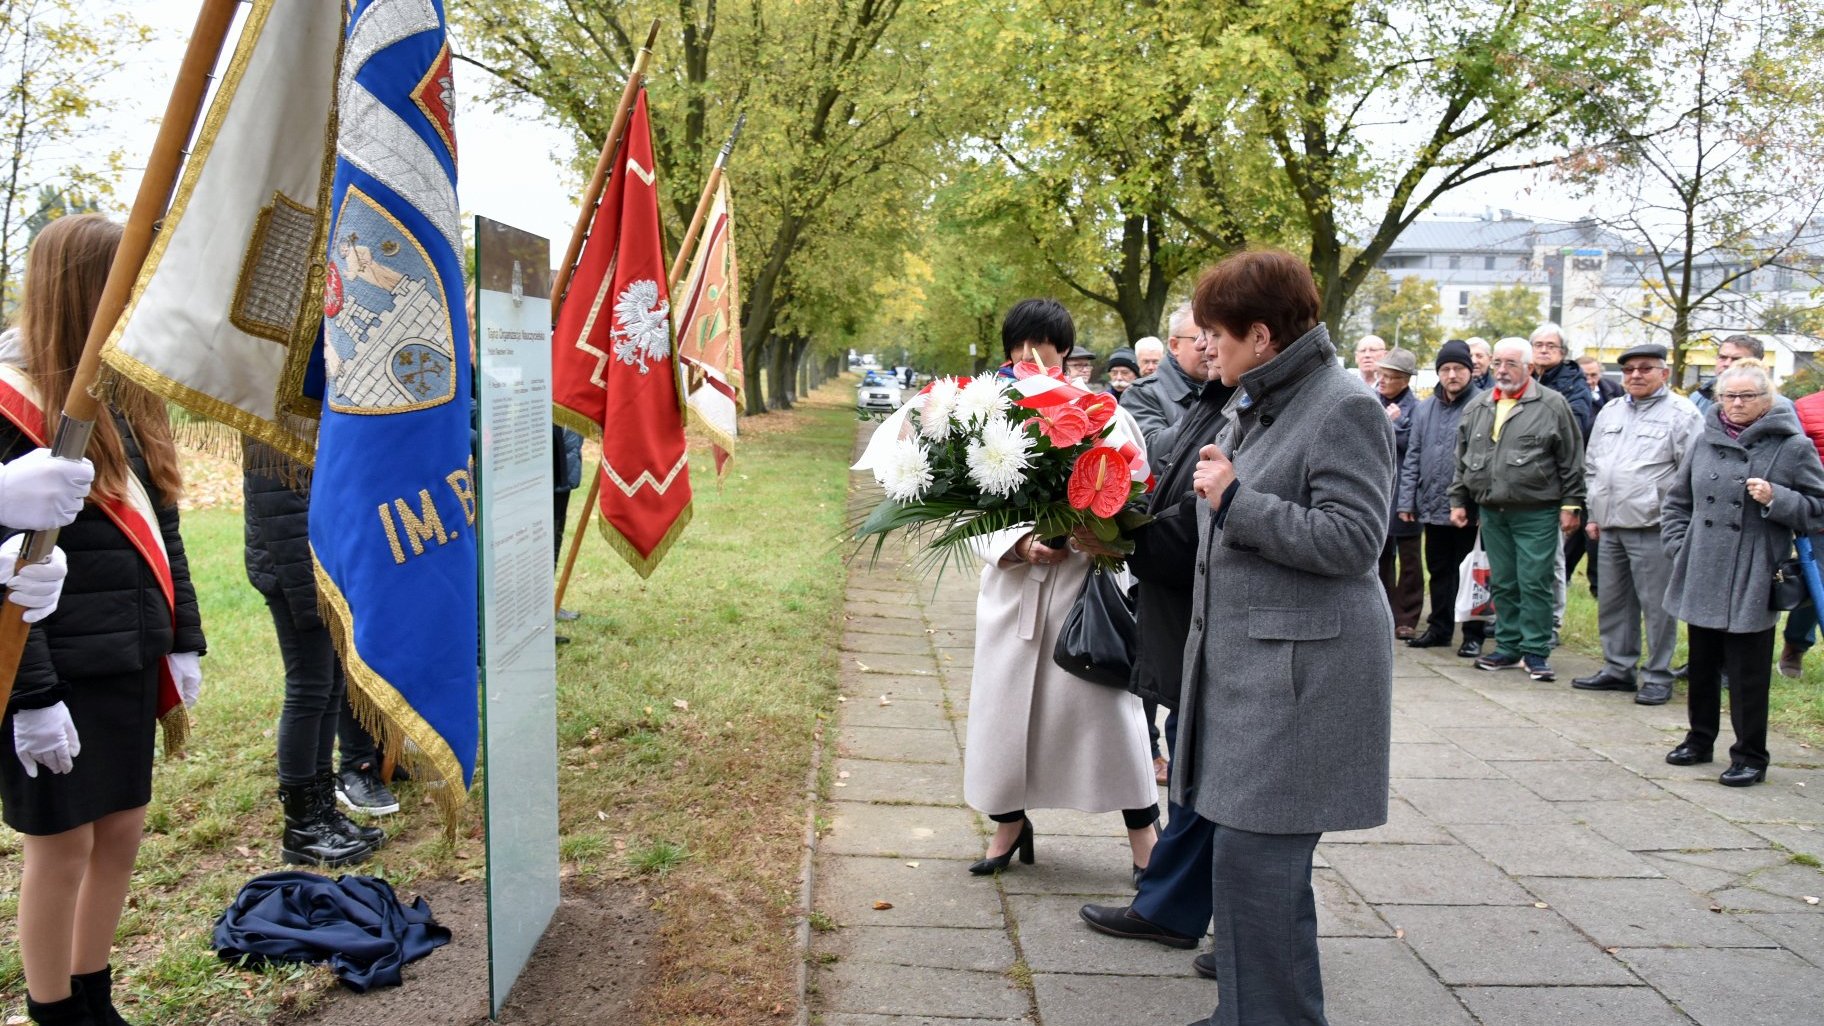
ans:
(1023, 846)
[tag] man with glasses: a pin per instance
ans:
(1520, 460)
(1149, 351)
(1636, 448)
(1160, 399)
(1368, 353)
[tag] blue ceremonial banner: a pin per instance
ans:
(392, 511)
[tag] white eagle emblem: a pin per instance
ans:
(645, 329)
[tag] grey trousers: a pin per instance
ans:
(1634, 570)
(1265, 926)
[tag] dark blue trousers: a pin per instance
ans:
(1175, 889)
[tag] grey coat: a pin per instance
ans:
(1160, 399)
(1430, 462)
(1284, 722)
(1724, 545)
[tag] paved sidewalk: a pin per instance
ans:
(1542, 863)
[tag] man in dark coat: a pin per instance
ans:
(1423, 499)
(1400, 574)
(1158, 400)
(1550, 347)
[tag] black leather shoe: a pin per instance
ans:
(1429, 639)
(1653, 694)
(1740, 774)
(1604, 681)
(1122, 921)
(1685, 755)
(1470, 649)
(1205, 964)
(1681, 671)
(996, 863)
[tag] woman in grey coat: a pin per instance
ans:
(1285, 719)
(1750, 482)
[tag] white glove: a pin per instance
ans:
(38, 491)
(187, 670)
(45, 737)
(36, 586)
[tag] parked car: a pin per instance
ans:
(879, 390)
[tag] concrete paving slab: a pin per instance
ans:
(1341, 912)
(1077, 824)
(902, 831)
(919, 990)
(1798, 838)
(906, 782)
(1437, 761)
(882, 610)
(1404, 826)
(1644, 914)
(1067, 999)
(936, 745)
(861, 645)
(889, 662)
(1092, 867)
(1709, 872)
(1054, 939)
(1590, 727)
(1501, 744)
(1558, 1006)
(1407, 730)
(1763, 803)
(1450, 802)
(1369, 982)
(1475, 712)
(1791, 880)
(898, 626)
(934, 947)
(1582, 781)
(1661, 825)
(1732, 986)
(863, 1019)
(931, 895)
(1506, 946)
(865, 710)
(1541, 849)
(1407, 874)
(1801, 933)
(1648, 757)
(856, 685)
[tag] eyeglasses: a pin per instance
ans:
(1740, 397)
(1547, 346)
(1638, 369)
(1183, 338)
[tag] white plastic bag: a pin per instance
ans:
(1475, 601)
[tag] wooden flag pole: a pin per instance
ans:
(603, 165)
(80, 410)
(671, 288)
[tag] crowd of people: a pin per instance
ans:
(1305, 518)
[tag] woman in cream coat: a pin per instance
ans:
(1040, 737)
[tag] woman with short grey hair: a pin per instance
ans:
(1750, 482)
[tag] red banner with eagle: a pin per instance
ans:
(614, 374)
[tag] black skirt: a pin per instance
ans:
(116, 719)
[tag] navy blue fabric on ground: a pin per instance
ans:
(355, 923)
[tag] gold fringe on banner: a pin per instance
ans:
(176, 725)
(642, 565)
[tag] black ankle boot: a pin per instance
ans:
(326, 783)
(71, 1011)
(97, 990)
(311, 836)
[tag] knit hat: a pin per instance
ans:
(1454, 351)
(1124, 357)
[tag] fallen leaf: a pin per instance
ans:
(865, 668)
(884, 700)
(1611, 950)
(841, 784)
(1809, 900)
(1716, 908)
(911, 865)
(842, 698)
(1540, 904)
(679, 703)
(17, 1020)
(603, 816)
(1399, 931)
(244, 851)
(779, 1008)
(882, 906)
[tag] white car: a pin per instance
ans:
(878, 392)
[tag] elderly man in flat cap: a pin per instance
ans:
(1636, 447)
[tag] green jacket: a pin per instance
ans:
(1537, 463)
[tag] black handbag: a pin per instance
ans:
(1788, 586)
(1096, 641)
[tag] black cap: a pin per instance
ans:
(1455, 351)
(1080, 353)
(1650, 350)
(1124, 357)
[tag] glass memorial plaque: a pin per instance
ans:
(519, 656)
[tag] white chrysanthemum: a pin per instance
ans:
(980, 399)
(997, 463)
(907, 471)
(934, 419)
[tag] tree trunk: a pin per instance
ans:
(779, 375)
(753, 376)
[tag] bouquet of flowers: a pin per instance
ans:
(968, 457)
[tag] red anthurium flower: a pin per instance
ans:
(1033, 369)
(1098, 407)
(1064, 426)
(1099, 481)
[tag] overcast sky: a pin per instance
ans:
(511, 166)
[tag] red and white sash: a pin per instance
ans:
(134, 514)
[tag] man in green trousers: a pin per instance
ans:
(1520, 460)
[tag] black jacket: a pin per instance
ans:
(276, 525)
(1408, 403)
(1567, 380)
(112, 618)
(1165, 551)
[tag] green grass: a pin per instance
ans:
(687, 707)
(1795, 707)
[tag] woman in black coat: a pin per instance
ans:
(117, 655)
